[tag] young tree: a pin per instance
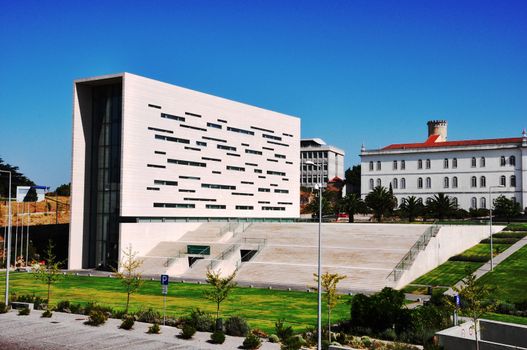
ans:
(49, 272)
(380, 201)
(475, 301)
(411, 207)
(221, 288)
(327, 207)
(129, 274)
(63, 190)
(329, 282)
(352, 176)
(352, 204)
(506, 208)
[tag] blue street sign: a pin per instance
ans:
(456, 299)
(164, 280)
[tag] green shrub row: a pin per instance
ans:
(510, 234)
(516, 227)
(470, 258)
(501, 240)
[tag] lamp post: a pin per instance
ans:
(319, 286)
(8, 265)
(490, 226)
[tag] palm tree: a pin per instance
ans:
(441, 206)
(411, 207)
(352, 204)
(380, 201)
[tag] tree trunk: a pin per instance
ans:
(127, 302)
(329, 324)
(49, 294)
(217, 310)
(350, 217)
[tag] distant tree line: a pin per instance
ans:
(17, 179)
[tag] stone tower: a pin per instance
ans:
(438, 127)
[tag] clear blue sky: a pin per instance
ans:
(355, 71)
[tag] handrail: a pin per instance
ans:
(406, 262)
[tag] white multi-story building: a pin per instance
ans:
(147, 151)
(464, 170)
(329, 162)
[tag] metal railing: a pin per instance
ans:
(235, 227)
(225, 254)
(408, 259)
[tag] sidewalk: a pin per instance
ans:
(68, 331)
(485, 268)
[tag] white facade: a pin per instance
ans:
(329, 162)
(464, 170)
(183, 154)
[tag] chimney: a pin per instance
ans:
(438, 127)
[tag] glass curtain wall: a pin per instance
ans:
(106, 176)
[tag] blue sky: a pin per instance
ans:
(355, 71)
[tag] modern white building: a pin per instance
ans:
(147, 151)
(329, 162)
(464, 170)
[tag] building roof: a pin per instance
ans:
(431, 142)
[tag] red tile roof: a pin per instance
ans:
(431, 142)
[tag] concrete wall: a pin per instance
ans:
(494, 336)
(143, 237)
(449, 241)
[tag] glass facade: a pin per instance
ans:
(106, 175)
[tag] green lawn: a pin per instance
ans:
(261, 307)
(509, 277)
(506, 318)
(451, 272)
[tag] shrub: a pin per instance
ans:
(128, 322)
(293, 343)
(148, 316)
(47, 314)
(93, 306)
(389, 334)
(200, 320)
(273, 338)
(470, 258)
(154, 329)
(236, 326)
(341, 338)
(516, 227)
(259, 333)
(119, 314)
(24, 311)
(366, 341)
(76, 309)
(218, 337)
(501, 240)
(63, 306)
(187, 332)
(96, 318)
(4, 308)
(251, 342)
(283, 332)
(505, 234)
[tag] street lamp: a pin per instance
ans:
(8, 265)
(319, 314)
(490, 226)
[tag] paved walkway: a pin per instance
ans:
(68, 331)
(485, 268)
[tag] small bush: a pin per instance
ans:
(273, 338)
(293, 343)
(236, 326)
(200, 320)
(187, 332)
(251, 342)
(282, 331)
(366, 341)
(96, 318)
(4, 308)
(516, 227)
(341, 338)
(218, 337)
(76, 309)
(501, 240)
(63, 306)
(128, 322)
(149, 316)
(24, 311)
(470, 258)
(505, 234)
(119, 314)
(154, 329)
(47, 314)
(93, 306)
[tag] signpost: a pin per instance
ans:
(164, 291)
(456, 300)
